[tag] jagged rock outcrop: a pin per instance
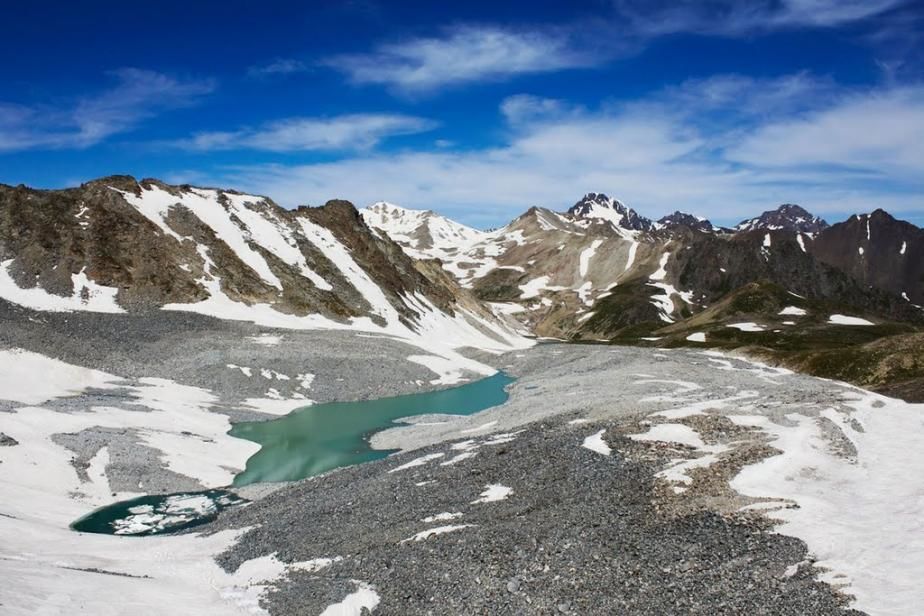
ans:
(682, 219)
(597, 207)
(788, 217)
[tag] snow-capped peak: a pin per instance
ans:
(598, 206)
(423, 233)
(684, 219)
(788, 216)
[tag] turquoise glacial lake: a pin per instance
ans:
(308, 441)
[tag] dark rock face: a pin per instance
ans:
(382, 259)
(7, 441)
(682, 219)
(714, 266)
(877, 250)
(627, 217)
(51, 235)
(628, 308)
(788, 217)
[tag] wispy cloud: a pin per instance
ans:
(138, 95)
(750, 96)
(465, 54)
(742, 17)
(477, 53)
(278, 67)
(878, 133)
(344, 132)
(658, 154)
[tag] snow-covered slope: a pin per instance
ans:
(119, 245)
(552, 270)
(423, 234)
(544, 266)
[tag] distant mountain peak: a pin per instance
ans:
(423, 233)
(683, 219)
(598, 206)
(394, 210)
(788, 216)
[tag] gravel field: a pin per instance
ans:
(581, 532)
(196, 350)
(542, 505)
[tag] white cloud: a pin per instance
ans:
(879, 133)
(831, 12)
(548, 163)
(279, 66)
(466, 54)
(344, 132)
(655, 156)
(749, 96)
(738, 17)
(527, 108)
(138, 95)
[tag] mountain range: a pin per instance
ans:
(120, 245)
(598, 271)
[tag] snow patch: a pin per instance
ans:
(442, 517)
(363, 598)
(31, 378)
(595, 442)
(746, 327)
(861, 518)
(841, 319)
(433, 532)
(535, 286)
(662, 268)
(417, 462)
(493, 492)
(671, 433)
(586, 255)
(87, 294)
(633, 248)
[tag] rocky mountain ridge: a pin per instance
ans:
(683, 219)
(788, 217)
(599, 270)
(121, 245)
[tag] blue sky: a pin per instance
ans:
(478, 110)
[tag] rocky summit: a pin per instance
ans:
(789, 217)
(682, 219)
(600, 208)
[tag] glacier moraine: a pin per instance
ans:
(614, 480)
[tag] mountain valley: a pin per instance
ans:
(653, 427)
